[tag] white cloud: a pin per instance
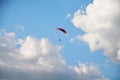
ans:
(88, 72)
(20, 27)
(38, 59)
(72, 40)
(102, 26)
(68, 15)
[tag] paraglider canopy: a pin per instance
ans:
(62, 30)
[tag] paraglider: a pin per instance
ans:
(62, 30)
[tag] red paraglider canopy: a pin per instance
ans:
(63, 30)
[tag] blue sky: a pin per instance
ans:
(40, 18)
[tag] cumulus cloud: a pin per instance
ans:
(39, 59)
(88, 72)
(101, 25)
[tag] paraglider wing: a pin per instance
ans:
(63, 30)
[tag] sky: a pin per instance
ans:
(29, 42)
